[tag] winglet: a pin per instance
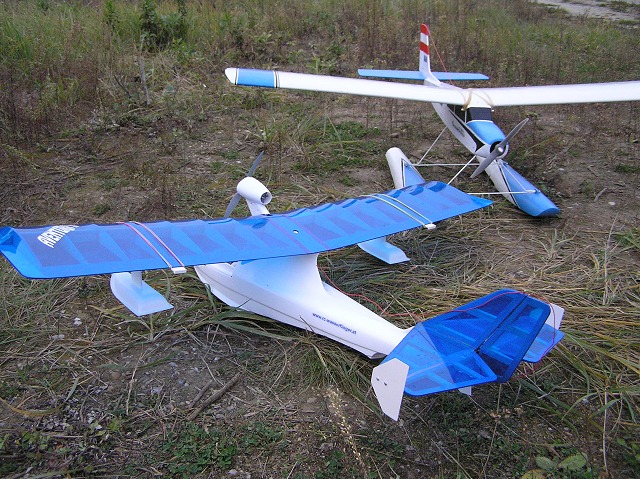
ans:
(388, 380)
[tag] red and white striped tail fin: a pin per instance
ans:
(425, 63)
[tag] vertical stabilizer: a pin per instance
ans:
(425, 59)
(388, 380)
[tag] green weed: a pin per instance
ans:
(627, 169)
(574, 466)
(194, 450)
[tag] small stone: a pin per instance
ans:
(326, 446)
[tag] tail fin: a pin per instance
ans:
(424, 72)
(480, 342)
(425, 60)
(424, 65)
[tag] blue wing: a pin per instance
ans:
(63, 251)
(481, 342)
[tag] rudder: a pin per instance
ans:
(424, 64)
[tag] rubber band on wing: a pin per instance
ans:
(180, 269)
(399, 205)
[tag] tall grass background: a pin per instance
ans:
(62, 61)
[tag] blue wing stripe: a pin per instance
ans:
(250, 77)
(63, 251)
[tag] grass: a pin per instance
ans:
(84, 384)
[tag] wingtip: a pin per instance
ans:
(232, 75)
(6, 236)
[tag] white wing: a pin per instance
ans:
(558, 94)
(514, 96)
(353, 86)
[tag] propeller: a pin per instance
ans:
(235, 199)
(499, 149)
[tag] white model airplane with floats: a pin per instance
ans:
(466, 112)
(267, 264)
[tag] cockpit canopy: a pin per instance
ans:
(471, 113)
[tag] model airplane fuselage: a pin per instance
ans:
(466, 112)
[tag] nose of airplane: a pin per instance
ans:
(500, 148)
(487, 131)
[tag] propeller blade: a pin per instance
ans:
(256, 162)
(488, 160)
(235, 199)
(499, 149)
(516, 129)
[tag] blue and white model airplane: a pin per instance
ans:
(267, 264)
(466, 112)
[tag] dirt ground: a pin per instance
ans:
(627, 10)
(104, 394)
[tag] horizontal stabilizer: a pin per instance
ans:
(392, 74)
(459, 76)
(437, 363)
(417, 75)
(507, 345)
(480, 342)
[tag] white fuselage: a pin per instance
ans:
(474, 143)
(290, 290)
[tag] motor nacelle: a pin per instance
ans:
(256, 194)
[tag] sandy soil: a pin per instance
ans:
(598, 9)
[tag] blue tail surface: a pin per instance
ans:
(481, 342)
